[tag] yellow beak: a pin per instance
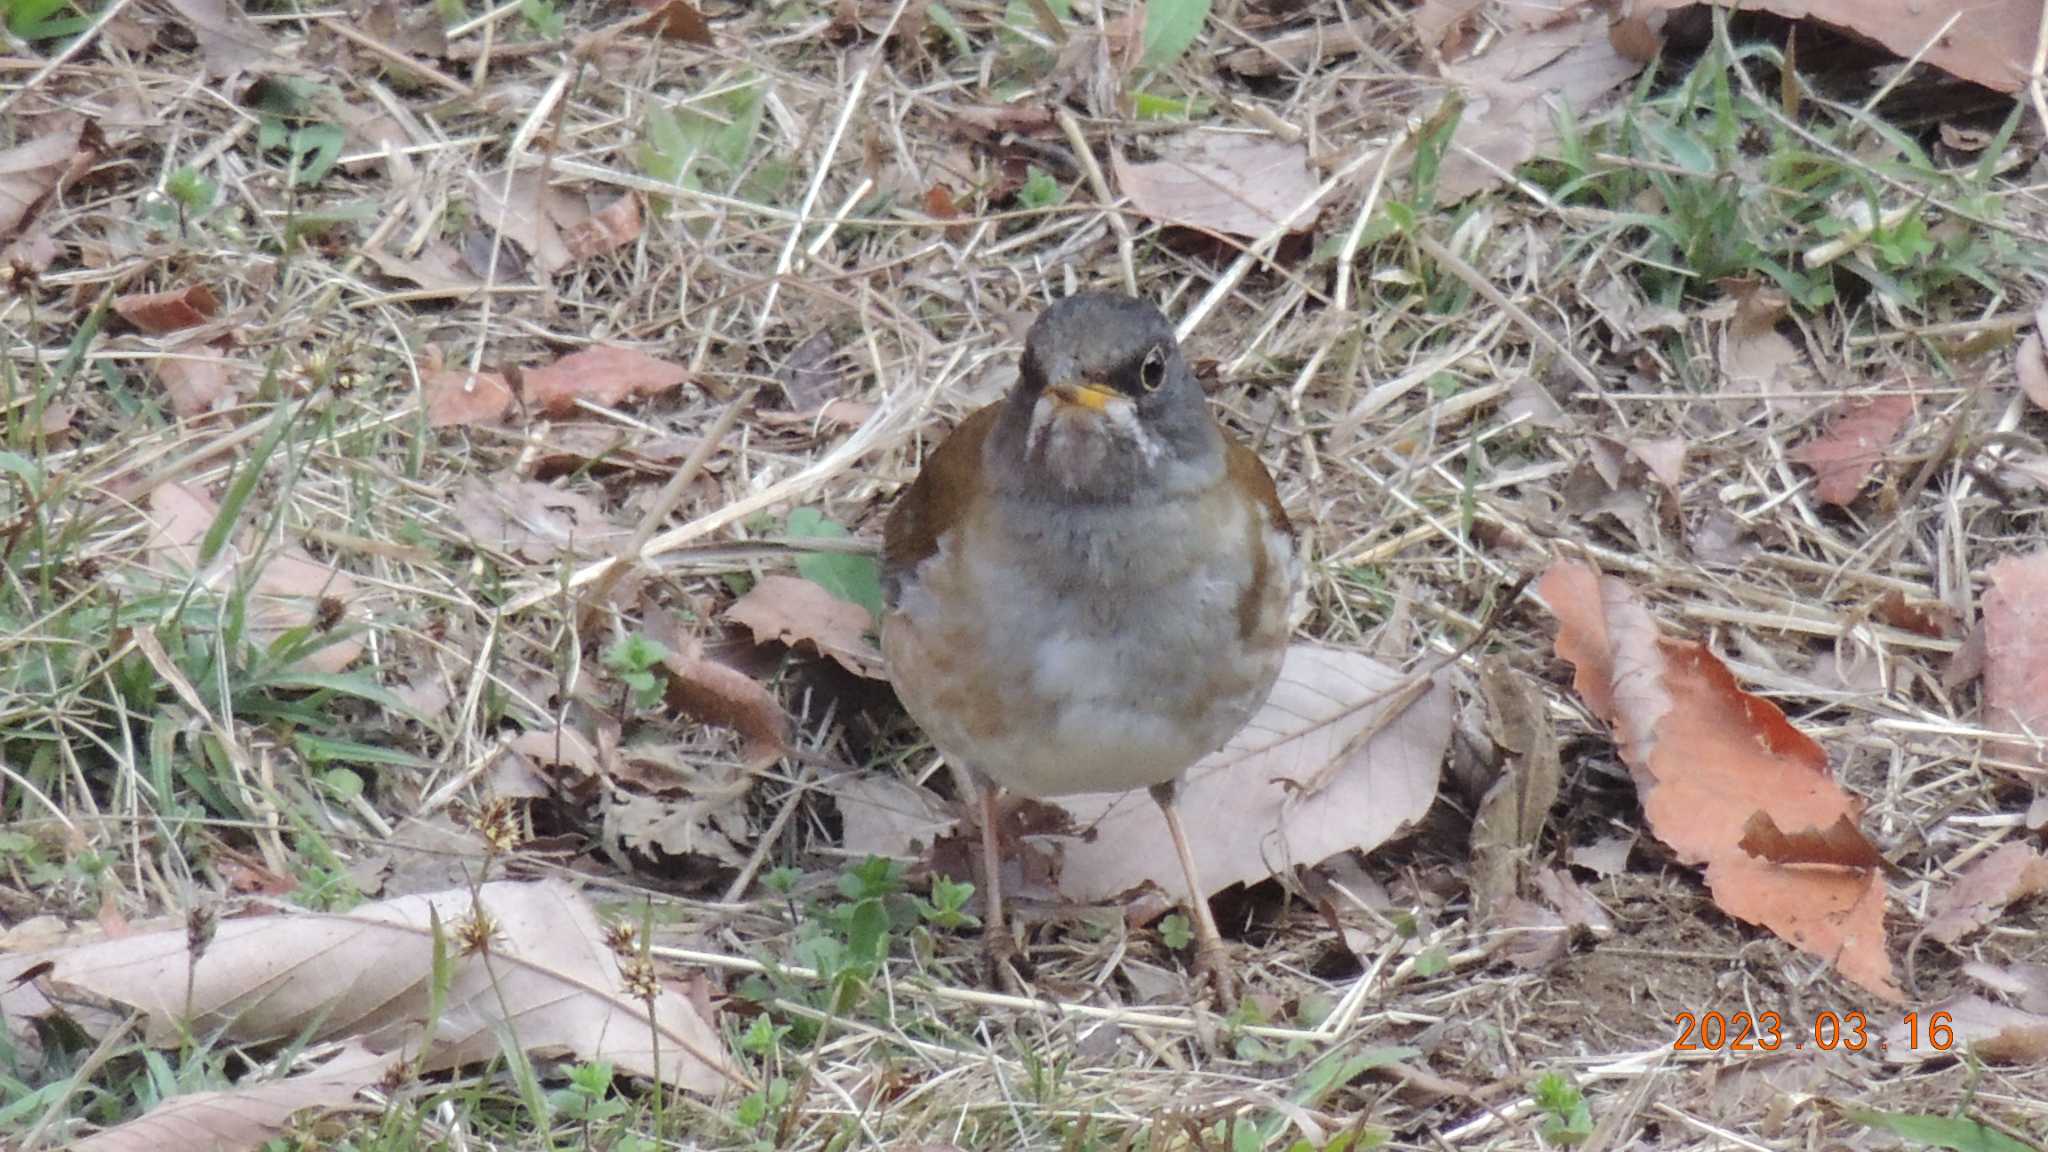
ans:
(1083, 394)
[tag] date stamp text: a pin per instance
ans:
(1827, 1031)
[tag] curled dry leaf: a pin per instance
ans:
(548, 979)
(1216, 182)
(1858, 434)
(1708, 759)
(703, 816)
(1322, 768)
(708, 691)
(2012, 873)
(32, 169)
(534, 520)
(457, 397)
(248, 1115)
(790, 609)
(2016, 653)
(172, 310)
(1511, 93)
(291, 589)
(600, 374)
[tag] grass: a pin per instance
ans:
(166, 750)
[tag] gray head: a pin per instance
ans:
(1105, 409)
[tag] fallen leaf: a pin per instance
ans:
(710, 692)
(2016, 654)
(1299, 49)
(548, 978)
(1989, 43)
(229, 41)
(1511, 815)
(531, 213)
(1227, 183)
(2027, 984)
(1754, 355)
(420, 31)
(881, 815)
(562, 747)
(248, 1115)
(1664, 458)
(1990, 1031)
(438, 267)
(1921, 617)
(707, 817)
(600, 374)
(1708, 758)
(615, 226)
(1857, 436)
(195, 380)
(534, 520)
(460, 398)
(2012, 873)
(31, 170)
(1511, 92)
(676, 20)
(1839, 845)
(789, 609)
(1607, 856)
(290, 591)
(1434, 20)
(1248, 805)
(2031, 365)
(159, 313)
(810, 376)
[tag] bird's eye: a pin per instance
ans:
(1152, 373)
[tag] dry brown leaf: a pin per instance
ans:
(2030, 363)
(1991, 1031)
(1664, 458)
(676, 20)
(248, 1115)
(1300, 48)
(1511, 92)
(715, 694)
(1511, 815)
(29, 171)
(881, 815)
(1434, 20)
(1247, 806)
(1921, 617)
(1839, 845)
(2027, 984)
(608, 230)
(2013, 872)
(601, 374)
(1234, 184)
(532, 214)
(173, 310)
(460, 398)
(196, 381)
(1858, 434)
(1707, 759)
(810, 376)
(562, 747)
(548, 978)
(419, 30)
(290, 589)
(699, 810)
(1990, 43)
(790, 609)
(228, 40)
(534, 520)
(1754, 355)
(438, 268)
(2016, 653)
(1607, 856)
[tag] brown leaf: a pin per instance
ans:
(1707, 759)
(790, 609)
(561, 747)
(882, 815)
(1753, 354)
(1992, 1032)
(438, 268)
(2016, 653)
(1249, 805)
(229, 41)
(548, 979)
(2013, 872)
(290, 589)
(1215, 182)
(676, 20)
(420, 31)
(601, 374)
(158, 313)
(1299, 48)
(532, 213)
(810, 376)
(534, 520)
(1921, 617)
(2031, 365)
(1843, 457)
(196, 381)
(1511, 815)
(705, 815)
(1607, 856)
(1988, 43)
(1510, 95)
(708, 691)
(615, 227)
(248, 1115)
(1839, 845)
(31, 170)
(459, 398)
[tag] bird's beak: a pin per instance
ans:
(1082, 394)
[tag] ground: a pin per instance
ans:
(844, 215)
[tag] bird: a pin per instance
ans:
(1087, 585)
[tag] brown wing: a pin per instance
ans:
(938, 499)
(1249, 474)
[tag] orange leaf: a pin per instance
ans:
(1843, 457)
(158, 313)
(456, 398)
(1721, 773)
(600, 374)
(676, 20)
(615, 227)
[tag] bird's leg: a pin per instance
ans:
(1003, 954)
(1210, 958)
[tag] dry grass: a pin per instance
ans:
(1392, 401)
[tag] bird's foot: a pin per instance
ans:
(1213, 967)
(1007, 965)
